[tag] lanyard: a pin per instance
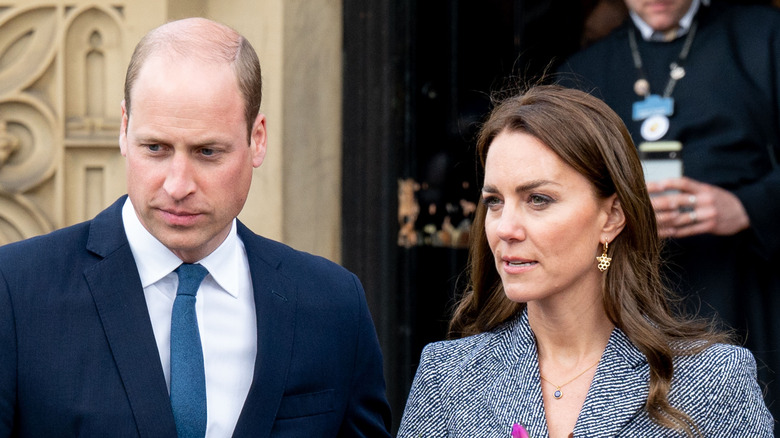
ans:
(676, 69)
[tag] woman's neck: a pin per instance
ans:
(572, 334)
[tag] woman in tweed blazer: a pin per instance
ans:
(566, 327)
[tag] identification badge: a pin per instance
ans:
(654, 127)
(653, 105)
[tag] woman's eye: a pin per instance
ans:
(539, 200)
(491, 201)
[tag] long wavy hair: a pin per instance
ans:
(587, 135)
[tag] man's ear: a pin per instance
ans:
(257, 140)
(616, 218)
(123, 130)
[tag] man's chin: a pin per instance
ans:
(178, 239)
(188, 253)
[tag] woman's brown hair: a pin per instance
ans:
(586, 134)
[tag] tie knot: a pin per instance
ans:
(190, 276)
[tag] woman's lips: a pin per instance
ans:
(518, 265)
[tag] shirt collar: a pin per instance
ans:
(684, 24)
(154, 260)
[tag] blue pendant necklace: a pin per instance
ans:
(558, 394)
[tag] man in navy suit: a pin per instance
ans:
(288, 345)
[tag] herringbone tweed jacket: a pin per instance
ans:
(481, 385)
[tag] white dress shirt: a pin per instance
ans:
(225, 308)
(684, 25)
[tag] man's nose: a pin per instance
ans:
(180, 180)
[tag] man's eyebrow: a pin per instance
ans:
(206, 142)
(148, 139)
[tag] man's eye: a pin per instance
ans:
(207, 152)
(153, 147)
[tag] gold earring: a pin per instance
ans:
(604, 261)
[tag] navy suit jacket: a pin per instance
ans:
(479, 386)
(78, 355)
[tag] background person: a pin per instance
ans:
(717, 67)
(277, 343)
(566, 327)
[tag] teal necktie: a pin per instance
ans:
(188, 378)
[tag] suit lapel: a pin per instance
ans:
(618, 392)
(275, 301)
(119, 299)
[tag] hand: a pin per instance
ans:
(696, 208)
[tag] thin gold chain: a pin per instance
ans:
(558, 387)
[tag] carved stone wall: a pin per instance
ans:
(61, 77)
(62, 65)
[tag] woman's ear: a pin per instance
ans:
(616, 218)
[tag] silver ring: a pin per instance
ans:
(692, 215)
(692, 200)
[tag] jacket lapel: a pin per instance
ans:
(618, 392)
(515, 395)
(616, 396)
(119, 299)
(275, 302)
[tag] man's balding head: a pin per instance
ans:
(206, 41)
